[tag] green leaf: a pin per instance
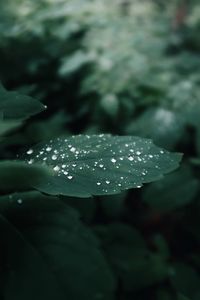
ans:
(74, 62)
(18, 176)
(49, 251)
(16, 106)
(100, 164)
(173, 191)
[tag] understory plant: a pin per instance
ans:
(98, 99)
(45, 246)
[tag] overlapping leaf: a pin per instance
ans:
(18, 176)
(49, 254)
(15, 108)
(100, 164)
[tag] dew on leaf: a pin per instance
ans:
(30, 151)
(99, 160)
(54, 157)
(138, 152)
(73, 149)
(56, 168)
(113, 160)
(31, 161)
(130, 158)
(139, 186)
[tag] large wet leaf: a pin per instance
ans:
(100, 164)
(48, 253)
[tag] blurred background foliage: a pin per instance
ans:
(125, 67)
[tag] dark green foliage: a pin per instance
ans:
(130, 258)
(186, 280)
(175, 190)
(94, 95)
(52, 251)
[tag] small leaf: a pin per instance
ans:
(73, 63)
(100, 164)
(16, 106)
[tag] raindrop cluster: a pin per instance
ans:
(108, 162)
